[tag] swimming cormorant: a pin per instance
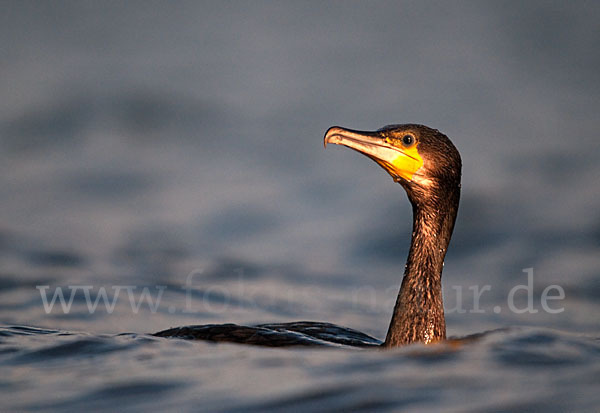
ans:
(428, 166)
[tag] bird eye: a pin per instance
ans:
(408, 140)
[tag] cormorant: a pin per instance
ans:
(428, 166)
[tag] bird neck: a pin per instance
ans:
(419, 311)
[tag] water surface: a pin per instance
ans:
(174, 152)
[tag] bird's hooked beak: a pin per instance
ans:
(399, 162)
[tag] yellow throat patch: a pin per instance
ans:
(408, 163)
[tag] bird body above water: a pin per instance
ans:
(428, 166)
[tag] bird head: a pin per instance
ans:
(423, 160)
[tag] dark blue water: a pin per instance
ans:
(162, 164)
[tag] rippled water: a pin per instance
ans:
(524, 369)
(162, 165)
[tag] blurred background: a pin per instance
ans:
(176, 148)
(143, 141)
